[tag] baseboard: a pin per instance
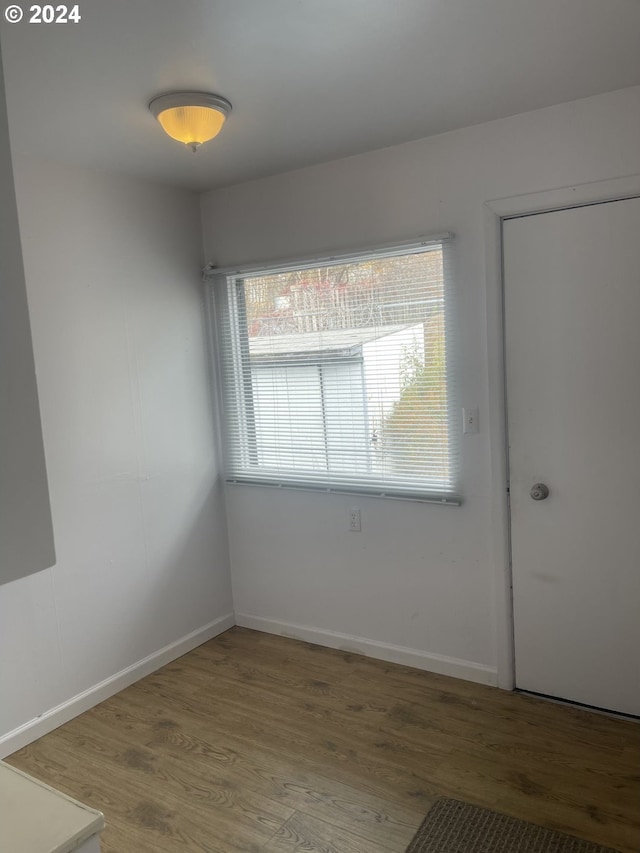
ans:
(50, 720)
(441, 664)
(55, 717)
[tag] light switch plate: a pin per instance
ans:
(469, 421)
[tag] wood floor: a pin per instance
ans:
(259, 743)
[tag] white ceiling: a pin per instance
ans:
(309, 80)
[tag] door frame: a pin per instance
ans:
(495, 211)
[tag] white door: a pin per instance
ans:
(572, 325)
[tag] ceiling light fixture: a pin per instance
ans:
(191, 117)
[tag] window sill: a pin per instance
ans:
(399, 495)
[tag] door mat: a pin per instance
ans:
(452, 826)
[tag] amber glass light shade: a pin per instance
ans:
(191, 117)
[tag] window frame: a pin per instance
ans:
(218, 306)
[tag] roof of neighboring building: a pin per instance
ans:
(342, 341)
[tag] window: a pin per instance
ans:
(336, 374)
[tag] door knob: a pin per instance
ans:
(539, 492)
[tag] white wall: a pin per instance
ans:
(26, 536)
(419, 577)
(113, 279)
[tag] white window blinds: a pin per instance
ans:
(337, 374)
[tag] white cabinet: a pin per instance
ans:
(36, 819)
